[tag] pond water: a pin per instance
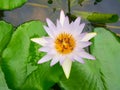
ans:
(40, 10)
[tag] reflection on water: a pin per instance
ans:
(40, 10)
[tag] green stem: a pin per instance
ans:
(69, 11)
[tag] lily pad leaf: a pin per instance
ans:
(5, 35)
(101, 74)
(3, 85)
(6, 31)
(11, 4)
(19, 61)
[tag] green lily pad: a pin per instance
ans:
(6, 31)
(5, 35)
(3, 85)
(20, 61)
(101, 74)
(11, 4)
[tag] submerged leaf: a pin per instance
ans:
(103, 18)
(98, 17)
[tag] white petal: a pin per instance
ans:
(81, 27)
(77, 21)
(44, 49)
(58, 25)
(49, 31)
(54, 61)
(84, 54)
(77, 27)
(61, 59)
(89, 36)
(40, 41)
(50, 23)
(67, 67)
(84, 44)
(82, 35)
(79, 59)
(45, 59)
(62, 17)
(66, 22)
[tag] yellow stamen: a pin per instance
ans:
(65, 43)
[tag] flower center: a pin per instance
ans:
(65, 43)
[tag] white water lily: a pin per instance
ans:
(65, 43)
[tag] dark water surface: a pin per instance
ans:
(40, 10)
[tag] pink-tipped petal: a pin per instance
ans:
(54, 61)
(66, 22)
(44, 59)
(61, 60)
(89, 36)
(81, 27)
(79, 59)
(50, 23)
(84, 44)
(58, 25)
(84, 54)
(67, 67)
(44, 49)
(78, 28)
(49, 31)
(82, 35)
(77, 21)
